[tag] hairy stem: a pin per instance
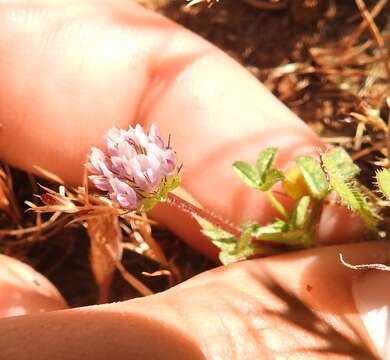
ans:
(194, 210)
(213, 219)
(313, 220)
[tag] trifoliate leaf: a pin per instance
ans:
(314, 176)
(247, 173)
(342, 163)
(300, 212)
(233, 249)
(341, 180)
(272, 176)
(265, 161)
(383, 181)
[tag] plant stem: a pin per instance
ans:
(276, 204)
(213, 219)
(312, 219)
(194, 210)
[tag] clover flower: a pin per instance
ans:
(136, 170)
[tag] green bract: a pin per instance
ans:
(341, 171)
(383, 181)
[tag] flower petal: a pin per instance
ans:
(155, 136)
(123, 194)
(101, 182)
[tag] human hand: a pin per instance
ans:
(94, 64)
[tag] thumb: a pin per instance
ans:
(119, 64)
(372, 300)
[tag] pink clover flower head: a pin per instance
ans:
(136, 170)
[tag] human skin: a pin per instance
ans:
(68, 72)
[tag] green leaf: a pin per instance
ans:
(226, 246)
(233, 249)
(383, 181)
(254, 249)
(222, 239)
(314, 176)
(253, 225)
(250, 251)
(341, 179)
(272, 176)
(292, 237)
(342, 163)
(265, 161)
(275, 227)
(218, 234)
(244, 240)
(300, 212)
(281, 232)
(227, 258)
(247, 173)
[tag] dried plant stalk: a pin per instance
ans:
(7, 198)
(104, 231)
(104, 224)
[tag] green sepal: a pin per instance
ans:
(314, 176)
(148, 204)
(150, 200)
(247, 173)
(170, 183)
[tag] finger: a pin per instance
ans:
(276, 306)
(24, 291)
(291, 306)
(70, 71)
